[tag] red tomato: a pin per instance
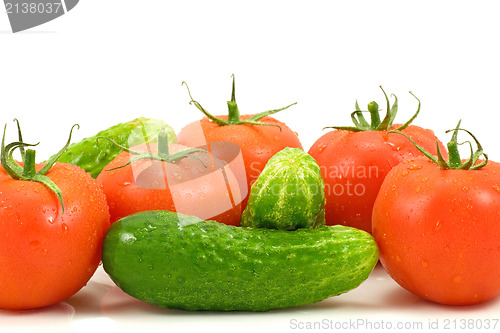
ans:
(355, 160)
(46, 256)
(354, 165)
(438, 230)
(258, 139)
(200, 185)
(257, 143)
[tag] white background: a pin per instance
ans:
(109, 61)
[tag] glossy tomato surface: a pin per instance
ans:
(200, 185)
(258, 143)
(354, 165)
(46, 255)
(438, 230)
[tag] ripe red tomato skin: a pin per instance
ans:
(258, 143)
(46, 257)
(125, 196)
(354, 165)
(438, 231)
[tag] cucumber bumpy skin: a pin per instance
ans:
(93, 156)
(177, 261)
(288, 194)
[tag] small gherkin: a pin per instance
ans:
(288, 194)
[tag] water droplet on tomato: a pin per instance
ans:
(277, 138)
(64, 228)
(34, 245)
(446, 248)
(405, 173)
(176, 195)
(124, 184)
(425, 179)
(496, 188)
(438, 225)
(465, 188)
(321, 147)
(424, 263)
(418, 189)
(460, 256)
(414, 167)
(50, 219)
(392, 145)
(188, 195)
(201, 195)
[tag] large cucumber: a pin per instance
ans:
(92, 155)
(288, 194)
(178, 261)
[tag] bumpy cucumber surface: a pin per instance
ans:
(288, 194)
(93, 156)
(177, 261)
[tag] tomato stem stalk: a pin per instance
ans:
(29, 163)
(234, 117)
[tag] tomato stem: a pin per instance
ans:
(454, 160)
(28, 172)
(360, 123)
(234, 117)
(374, 114)
(162, 155)
(163, 143)
(233, 111)
(29, 163)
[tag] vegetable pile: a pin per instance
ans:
(232, 214)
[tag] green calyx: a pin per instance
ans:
(163, 153)
(376, 124)
(28, 170)
(234, 113)
(454, 160)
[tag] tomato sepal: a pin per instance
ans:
(162, 155)
(361, 124)
(234, 113)
(28, 171)
(454, 160)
